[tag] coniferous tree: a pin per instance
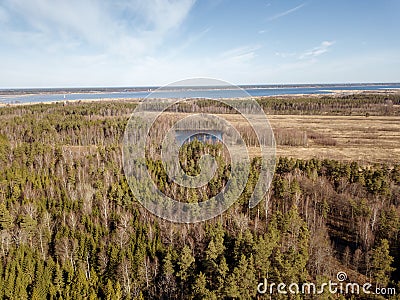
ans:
(382, 263)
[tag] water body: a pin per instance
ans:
(187, 136)
(213, 93)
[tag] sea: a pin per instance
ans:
(50, 95)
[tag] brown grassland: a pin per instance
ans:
(356, 138)
(367, 140)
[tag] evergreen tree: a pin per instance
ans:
(200, 290)
(185, 262)
(381, 263)
(6, 219)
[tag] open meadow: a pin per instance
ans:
(351, 138)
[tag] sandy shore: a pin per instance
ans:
(331, 93)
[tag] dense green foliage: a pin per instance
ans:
(70, 228)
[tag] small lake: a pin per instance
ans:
(187, 136)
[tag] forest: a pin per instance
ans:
(70, 227)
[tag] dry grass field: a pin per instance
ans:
(367, 140)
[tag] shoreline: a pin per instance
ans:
(133, 89)
(334, 93)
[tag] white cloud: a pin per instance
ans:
(163, 15)
(285, 13)
(127, 28)
(262, 31)
(285, 54)
(240, 54)
(85, 42)
(317, 51)
(308, 54)
(179, 49)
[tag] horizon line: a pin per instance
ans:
(195, 86)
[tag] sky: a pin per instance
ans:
(88, 43)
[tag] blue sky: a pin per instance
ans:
(60, 43)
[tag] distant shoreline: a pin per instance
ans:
(334, 93)
(109, 90)
(208, 92)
